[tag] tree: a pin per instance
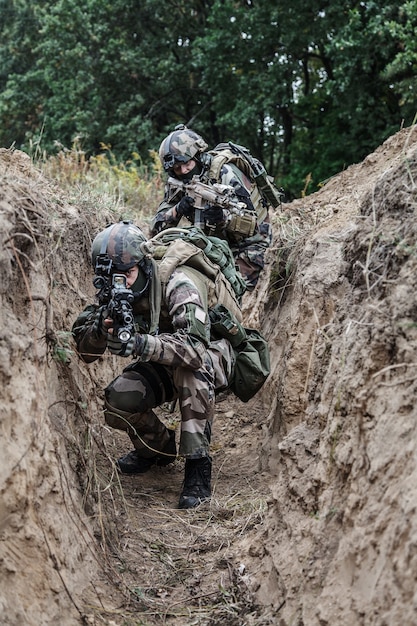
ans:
(19, 108)
(308, 87)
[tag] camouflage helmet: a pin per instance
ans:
(118, 248)
(121, 243)
(180, 146)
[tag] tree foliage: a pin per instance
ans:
(309, 87)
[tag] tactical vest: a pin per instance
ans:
(263, 192)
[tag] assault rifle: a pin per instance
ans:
(118, 299)
(206, 196)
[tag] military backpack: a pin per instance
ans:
(212, 261)
(208, 255)
(264, 193)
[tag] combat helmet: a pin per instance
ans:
(180, 146)
(118, 248)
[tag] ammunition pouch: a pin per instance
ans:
(268, 190)
(243, 224)
(225, 324)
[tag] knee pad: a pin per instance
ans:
(141, 386)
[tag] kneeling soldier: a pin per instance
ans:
(174, 356)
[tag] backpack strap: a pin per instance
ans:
(155, 298)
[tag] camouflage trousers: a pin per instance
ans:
(250, 254)
(131, 397)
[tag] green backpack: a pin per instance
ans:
(214, 262)
(252, 364)
(214, 249)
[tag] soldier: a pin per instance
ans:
(174, 359)
(183, 154)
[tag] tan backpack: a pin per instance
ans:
(264, 193)
(190, 249)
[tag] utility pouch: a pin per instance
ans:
(252, 366)
(225, 324)
(243, 224)
(268, 190)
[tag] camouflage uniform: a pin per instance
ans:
(249, 252)
(179, 363)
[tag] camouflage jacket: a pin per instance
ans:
(184, 325)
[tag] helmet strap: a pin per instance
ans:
(146, 268)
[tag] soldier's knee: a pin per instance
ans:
(116, 418)
(141, 387)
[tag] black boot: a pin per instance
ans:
(134, 463)
(197, 483)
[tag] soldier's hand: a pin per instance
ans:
(99, 326)
(115, 346)
(185, 207)
(213, 215)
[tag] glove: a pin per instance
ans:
(117, 347)
(185, 207)
(213, 215)
(98, 327)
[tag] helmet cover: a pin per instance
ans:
(122, 243)
(180, 146)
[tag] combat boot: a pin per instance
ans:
(197, 483)
(134, 463)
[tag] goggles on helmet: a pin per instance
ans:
(169, 160)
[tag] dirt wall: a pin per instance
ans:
(340, 546)
(331, 437)
(50, 560)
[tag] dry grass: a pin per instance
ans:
(100, 184)
(289, 228)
